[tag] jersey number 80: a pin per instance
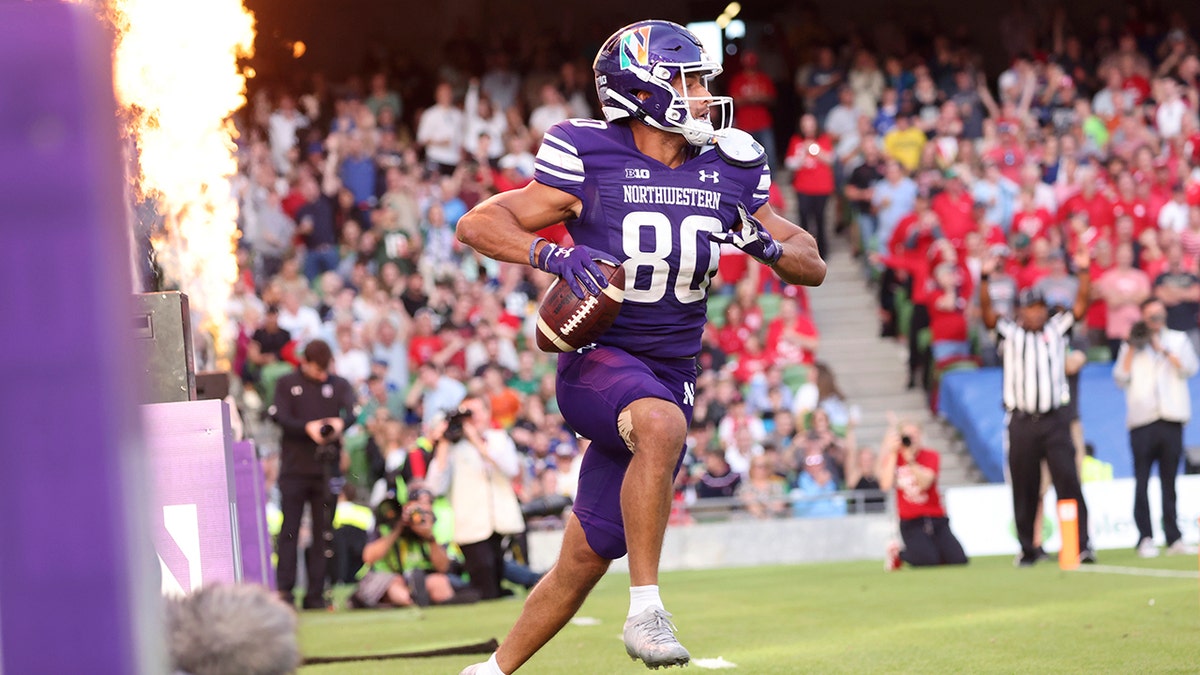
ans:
(696, 254)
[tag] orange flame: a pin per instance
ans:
(177, 79)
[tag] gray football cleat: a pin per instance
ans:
(650, 636)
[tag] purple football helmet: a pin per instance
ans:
(647, 56)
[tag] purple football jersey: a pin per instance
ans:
(654, 220)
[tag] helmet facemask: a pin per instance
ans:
(674, 109)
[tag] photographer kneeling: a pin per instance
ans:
(923, 522)
(408, 566)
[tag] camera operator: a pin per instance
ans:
(1153, 366)
(408, 566)
(923, 522)
(313, 408)
(474, 465)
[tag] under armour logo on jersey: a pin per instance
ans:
(706, 175)
(689, 393)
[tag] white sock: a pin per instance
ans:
(491, 667)
(642, 598)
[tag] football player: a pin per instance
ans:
(658, 185)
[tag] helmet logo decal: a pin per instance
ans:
(635, 47)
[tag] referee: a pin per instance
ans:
(1037, 400)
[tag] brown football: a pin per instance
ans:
(566, 323)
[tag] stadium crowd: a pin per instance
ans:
(350, 193)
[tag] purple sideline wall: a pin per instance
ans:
(253, 535)
(195, 527)
(78, 585)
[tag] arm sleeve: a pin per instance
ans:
(349, 405)
(559, 163)
(1121, 374)
(504, 453)
(283, 411)
(1188, 362)
(1004, 328)
(1062, 322)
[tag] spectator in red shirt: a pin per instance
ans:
(1009, 156)
(731, 336)
(946, 301)
(1029, 218)
(1151, 258)
(1089, 200)
(810, 156)
(752, 360)
(754, 93)
(955, 209)
(792, 336)
(1128, 203)
(1037, 266)
(424, 342)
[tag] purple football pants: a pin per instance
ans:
(594, 386)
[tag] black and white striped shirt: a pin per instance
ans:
(1035, 379)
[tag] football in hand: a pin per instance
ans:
(566, 323)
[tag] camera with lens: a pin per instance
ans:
(326, 431)
(454, 425)
(906, 441)
(1139, 335)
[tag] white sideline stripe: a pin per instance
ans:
(1139, 571)
(540, 166)
(550, 335)
(557, 158)
(561, 143)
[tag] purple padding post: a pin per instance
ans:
(190, 455)
(78, 584)
(252, 516)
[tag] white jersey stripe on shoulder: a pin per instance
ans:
(764, 183)
(560, 143)
(557, 158)
(540, 166)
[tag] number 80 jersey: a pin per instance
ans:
(655, 221)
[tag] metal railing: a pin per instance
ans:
(858, 502)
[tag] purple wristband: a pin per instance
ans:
(544, 255)
(533, 251)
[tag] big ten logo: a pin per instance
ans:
(642, 174)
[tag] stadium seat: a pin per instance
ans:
(794, 376)
(270, 375)
(903, 310)
(769, 304)
(716, 308)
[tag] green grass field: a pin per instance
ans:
(988, 617)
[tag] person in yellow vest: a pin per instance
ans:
(1093, 470)
(352, 522)
(407, 565)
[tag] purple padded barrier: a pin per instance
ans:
(190, 455)
(252, 516)
(78, 585)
